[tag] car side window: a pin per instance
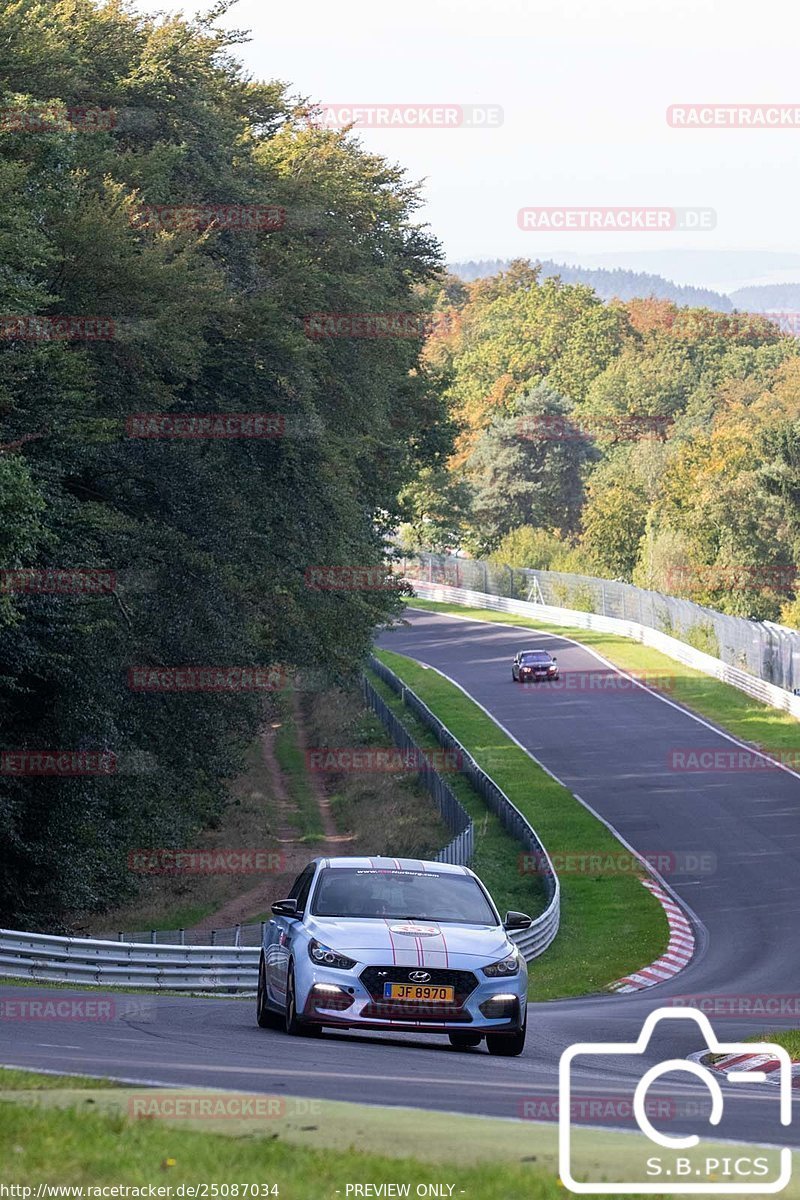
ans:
(294, 891)
(305, 887)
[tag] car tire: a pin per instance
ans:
(295, 1025)
(507, 1045)
(465, 1041)
(266, 1017)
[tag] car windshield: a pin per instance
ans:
(403, 895)
(537, 656)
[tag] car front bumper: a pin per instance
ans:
(490, 1005)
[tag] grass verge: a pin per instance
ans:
(610, 924)
(304, 814)
(380, 811)
(788, 1038)
(767, 728)
(72, 1132)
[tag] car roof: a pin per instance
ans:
(535, 650)
(385, 863)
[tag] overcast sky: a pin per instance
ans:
(584, 86)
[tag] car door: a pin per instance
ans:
(281, 936)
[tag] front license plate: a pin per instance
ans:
(419, 992)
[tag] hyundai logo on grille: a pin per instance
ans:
(419, 976)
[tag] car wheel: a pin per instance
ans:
(508, 1045)
(266, 1017)
(295, 1025)
(465, 1041)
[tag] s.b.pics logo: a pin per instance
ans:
(671, 1163)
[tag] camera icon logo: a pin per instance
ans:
(675, 1179)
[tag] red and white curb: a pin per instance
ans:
(747, 1062)
(678, 953)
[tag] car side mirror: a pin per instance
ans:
(285, 908)
(554, 658)
(517, 920)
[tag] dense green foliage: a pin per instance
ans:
(674, 462)
(210, 539)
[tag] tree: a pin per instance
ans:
(210, 539)
(527, 469)
(614, 517)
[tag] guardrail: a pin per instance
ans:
(249, 934)
(156, 964)
(759, 689)
(84, 961)
(535, 940)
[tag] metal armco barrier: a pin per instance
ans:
(83, 961)
(535, 940)
(759, 689)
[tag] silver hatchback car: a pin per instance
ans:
(402, 944)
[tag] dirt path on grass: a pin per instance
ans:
(295, 853)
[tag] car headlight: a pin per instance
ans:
(326, 957)
(506, 966)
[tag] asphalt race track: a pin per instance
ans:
(609, 746)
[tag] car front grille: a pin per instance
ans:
(373, 978)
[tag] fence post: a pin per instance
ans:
(213, 937)
(152, 937)
(237, 937)
(182, 935)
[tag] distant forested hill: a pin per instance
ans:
(782, 296)
(611, 284)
